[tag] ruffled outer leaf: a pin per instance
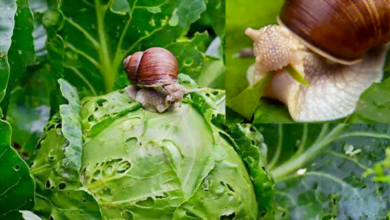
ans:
(16, 185)
(71, 128)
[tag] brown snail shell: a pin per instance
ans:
(154, 66)
(341, 30)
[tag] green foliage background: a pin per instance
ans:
(85, 42)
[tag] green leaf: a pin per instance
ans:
(21, 52)
(319, 170)
(271, 111)
(71, 128)
(7, 22)
(374, 104)
(295, 74)
(38, 7)
(28, 111)
(241, 15)
(253, 152)
(213, 74)
(55, 191)
(216, 15)
(247, 101)
(97, 37)
(190, 59)
(16, 185)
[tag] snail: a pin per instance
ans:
(154, 75)
(339, 47)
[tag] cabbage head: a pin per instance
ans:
(107, 158)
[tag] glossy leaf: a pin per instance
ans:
(97, 37)
(16, 185)
(374, 104)
(271, 111)
(247, 101)
(29, 111)
(216, 15)
(21, 52)
(7, 23)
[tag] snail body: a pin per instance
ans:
(339, 50)
(153, 73)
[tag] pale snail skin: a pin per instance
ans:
(155, 83)
(334, 88)
(157, 99)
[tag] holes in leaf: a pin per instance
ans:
(206, 185)
(39, 144)
(230, 187)
(228, 217)
(96, 174)
(84, 200)
(17, 168)
(26, 155)
(52, 218)
(121, 91)
(264, 169)
(215, 93)
(123, 166)
(146, 203)
(110, 168)
(91, 118)
(101, 101)
(164, 195)
(62, 186)
(315, 186)
(263, 214)
(132, 141)
(17, 146)
(48, 184)
(106, 192)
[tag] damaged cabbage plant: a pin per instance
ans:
(319, 66)
(107, 157)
